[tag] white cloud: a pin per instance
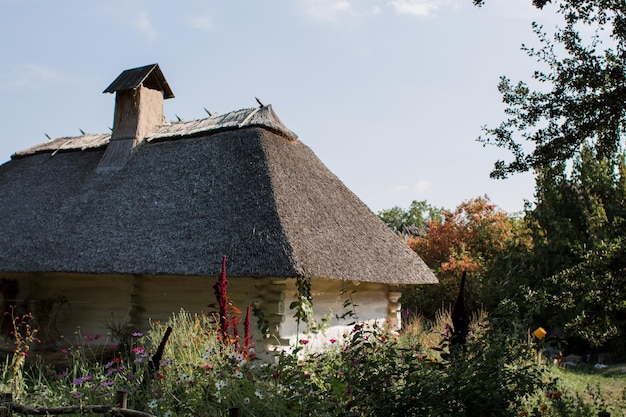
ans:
(202, 23)
(129, 14)
(417, 190)
(400, 188)
(328, 10)
(29, 76)
(142, 23)
(422, 8)
(374, 11)
(421, 186)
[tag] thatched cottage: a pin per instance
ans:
(131, 226)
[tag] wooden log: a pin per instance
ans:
(76, 409)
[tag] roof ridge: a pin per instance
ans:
(263, 117)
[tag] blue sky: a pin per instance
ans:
(390, 95)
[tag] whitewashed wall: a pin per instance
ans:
(94, 302)
(369, 302)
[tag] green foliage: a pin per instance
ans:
(573, 275)
(580, 98)
(418, 214)
(373, 372)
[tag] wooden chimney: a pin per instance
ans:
(139, 95)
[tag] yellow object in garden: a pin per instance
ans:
(540, 333)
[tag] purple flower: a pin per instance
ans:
(91, 337)
(61, 374)
(166, 362)
(77, 394)
(137, 334)
(108, 383)
(82, 380)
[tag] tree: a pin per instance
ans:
(574, 112)
(583, 99)
(467, 239)
(418, 214)
(574, 276)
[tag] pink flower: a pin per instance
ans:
(304, 342)
(332, 340)
(207, 366)
(138, 350)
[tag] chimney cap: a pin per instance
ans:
(149, 76)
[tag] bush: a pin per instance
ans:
(374, 372)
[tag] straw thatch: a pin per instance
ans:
(239, 185)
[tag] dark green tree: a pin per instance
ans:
(580, 94)
(418, 214)
(573, 111)
(573, 276)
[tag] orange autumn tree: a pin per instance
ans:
(471, 238)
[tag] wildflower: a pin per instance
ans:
(207, 366)
(304, 342)
(208, 354)
(152, 403)
(356, 362)
(239, 375)
(246, 400)
(82, 380)
(166, 362)
(91, 337)
(307, 374)
(76, 394)
(332, 340)
(61, 374)
(220, 384)
(139, 350)
(63, 350)
(168, 413)
(108, 383)
(137, 334)
(259, 394)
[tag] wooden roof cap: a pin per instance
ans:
(149, 76)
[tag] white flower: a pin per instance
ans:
(239, 375)
(259, 394)
(246, 400)
(220, 384)
(168, 413)
(153, 403)
(208, 354)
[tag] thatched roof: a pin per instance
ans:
(239, 185)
